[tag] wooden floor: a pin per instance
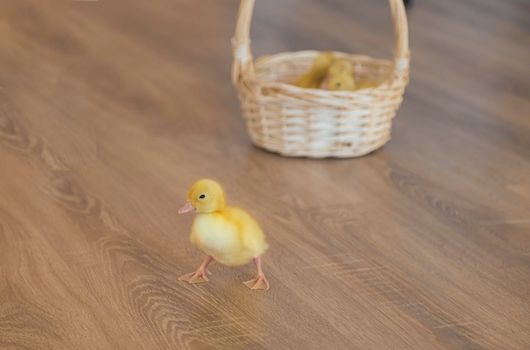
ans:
(110, 109)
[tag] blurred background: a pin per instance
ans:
(109, 110)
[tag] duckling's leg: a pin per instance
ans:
(201, 275)
(260, 282)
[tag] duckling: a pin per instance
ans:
(340, 76)
(366, 85)
(341, 82)
(314, 76)
(340, 67)
(228, 235)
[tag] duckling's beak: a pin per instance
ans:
(186, 208)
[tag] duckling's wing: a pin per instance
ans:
(252, 237)
(253, 240)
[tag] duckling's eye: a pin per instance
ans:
(202, 196)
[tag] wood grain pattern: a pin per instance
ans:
(110, 109)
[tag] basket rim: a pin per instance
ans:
(252, 80)
(339, 54)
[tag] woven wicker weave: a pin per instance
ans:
(294, 121)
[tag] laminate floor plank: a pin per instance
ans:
(110, 110)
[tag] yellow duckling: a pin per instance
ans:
(314, 76)
(227, 234)
(341, 67)
(340, 76)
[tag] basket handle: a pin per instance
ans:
(241, 40)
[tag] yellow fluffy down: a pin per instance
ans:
(230, 236)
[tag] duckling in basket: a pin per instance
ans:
(315, 75)
(339, 77)
(228, 235)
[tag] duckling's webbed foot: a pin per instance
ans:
(260, 282)
(257, 283)
(199, 276)
(195, 277)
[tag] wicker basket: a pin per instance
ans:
(295, 121)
